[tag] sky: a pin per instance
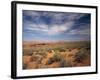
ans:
(55, 26)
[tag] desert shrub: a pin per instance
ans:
(70, 49)
(67, 49)
(62, 61)
(49, 50)
(41, 53)
(50, 61)
(65, 63)
(86, 50)
(79, 48)
(54, 65)
(62, 50)
(36, 58)
(24, 66)
(79, 56)
(55, 58)
(27, 52)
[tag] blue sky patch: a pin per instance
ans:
(56, 26)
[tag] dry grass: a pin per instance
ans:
(55, 55)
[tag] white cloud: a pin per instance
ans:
(51, 29)
(57, 26)
(80, 32)
(54, 30)
(85, 32)
(37, 27)
(75, 16)
(57, 29)
(56, 17)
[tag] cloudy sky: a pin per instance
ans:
(56, 26)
